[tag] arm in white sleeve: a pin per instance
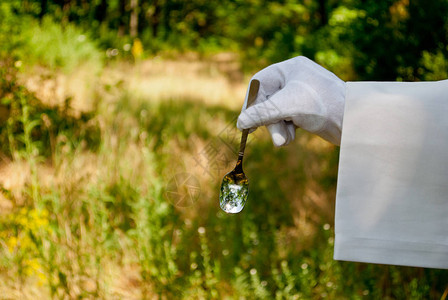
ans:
(392, 193)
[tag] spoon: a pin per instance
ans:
(235, 185)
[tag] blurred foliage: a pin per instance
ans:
(356, 39)
(46, 43)
(103, 227)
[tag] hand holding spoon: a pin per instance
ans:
(235, 185)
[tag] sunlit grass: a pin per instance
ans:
(86, 214)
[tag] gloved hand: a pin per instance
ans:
(296, 93)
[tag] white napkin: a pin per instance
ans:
(392, 193)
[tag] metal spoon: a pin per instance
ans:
(235, 185)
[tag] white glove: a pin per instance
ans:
(296, 93)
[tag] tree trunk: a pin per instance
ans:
(323, 12)
(101, 11)
(133, 22)
(121, 24)
(43, 9)
(155, 18)
(66, 6)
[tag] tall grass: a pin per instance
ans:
(103, 227)
(46, 43)
(94, 218)
(62, 47)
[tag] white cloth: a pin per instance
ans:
(392, 192)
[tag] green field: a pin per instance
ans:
(111, 164)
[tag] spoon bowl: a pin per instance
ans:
(235, 185)
(234, 190)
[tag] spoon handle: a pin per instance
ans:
(251, 96)
(243, 143)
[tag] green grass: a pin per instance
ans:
(89, 214)
(46, 43)
(104, 221)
